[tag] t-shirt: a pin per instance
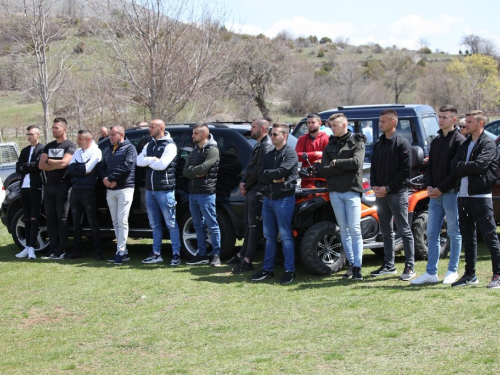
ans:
(27, 180)
(56, 151)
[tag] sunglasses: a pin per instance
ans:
(462, 127)
(276, 134)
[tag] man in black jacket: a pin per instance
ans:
(31, 190)
(117, 173)
(389, 177)
(278, 174)
(159, 158)
(83, 169)
(254, 197)
(475, 166)
(440, 186)
(201, 169)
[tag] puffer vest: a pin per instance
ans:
(160, 180)
(206, 184)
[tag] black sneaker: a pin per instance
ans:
(243, 267)
(348, 274)
(198, 259)
(118, 259)
(287, 278)
(234, 260)
(356, 273)
(125, 258)
(466, 280)
(408, 274)
(495, 282)
(262, 275)
(384, 270)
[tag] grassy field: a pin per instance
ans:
(87, 317)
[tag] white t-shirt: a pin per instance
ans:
(27, 180)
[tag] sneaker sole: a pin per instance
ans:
(287, 282)
(215, 265)
(143, 262)
(262, 278)
(384, 273)
(197, 263)
(175, 264)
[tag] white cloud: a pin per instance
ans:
(244, 29)
(300, 26)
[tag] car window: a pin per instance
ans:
(404, 129)
(493, 128)
(431, 128)
(8, 154)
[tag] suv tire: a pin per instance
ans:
(188, 236)
(19, 236)
(419, 230)
(321, 249)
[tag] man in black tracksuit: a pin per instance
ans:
(31, 190)
(476, 167)
(278, 173)
(389, 177)
(254, 197)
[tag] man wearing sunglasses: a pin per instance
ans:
(310, 146)
(278, 174)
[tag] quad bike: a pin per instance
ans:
(318, 234)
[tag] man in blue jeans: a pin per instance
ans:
(201, 169)
(278, 174)
(389, 177)
(159, 156)
(443, 198)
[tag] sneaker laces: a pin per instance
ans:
(496, 277)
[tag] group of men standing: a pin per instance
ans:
(457, 167)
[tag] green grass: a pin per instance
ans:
(87, 317)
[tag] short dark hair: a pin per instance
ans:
(391, 113)
(282, 126)
(201, 125)
(88, 133)
(314, 115)
(60, 119)
(336, 116)
(448, 108)
(478, 115)
(31, 127)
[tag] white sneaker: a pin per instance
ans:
(23, 254)
(425, 279)
(31, 253)
(450, 277)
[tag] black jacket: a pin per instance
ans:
(481, 169)
(348, 152)
(23, 167)
(120, 165)
(438, 168)
(203, 162)
(278, 164)
(391, 163)
(252, 173)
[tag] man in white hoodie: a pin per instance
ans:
(159, 157)
(83, 169)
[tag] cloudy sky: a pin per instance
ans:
(442, 23)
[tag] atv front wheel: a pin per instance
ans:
(321, 249)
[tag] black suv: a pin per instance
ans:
(235, 146)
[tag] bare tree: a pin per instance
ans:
(169, 52)
(261, 66)
(399, 74)
(476, 44)
(41, 48)
(349, 79)
(341, 41)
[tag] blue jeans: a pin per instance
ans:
(202, 207)
(347, 208)
(395, 206)
(447, 205)
(277, 217)
(162, 203)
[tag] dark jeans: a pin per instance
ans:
(31, 200)
(472, 213)
(56, 203)
(253, 223)
(395, 206)
(84, 200)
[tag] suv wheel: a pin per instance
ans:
(19, 235)
(321, 250)
(190, 243)
(419, 230)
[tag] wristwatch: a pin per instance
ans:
(387, 189)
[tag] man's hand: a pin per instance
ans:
(106, 182)
(279, 181)
(242, 189)
(433, 192)
(380, 191)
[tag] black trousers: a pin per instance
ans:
(478, 213)
(31, 201)
(84, 201)
(253, 223)
(56, 203)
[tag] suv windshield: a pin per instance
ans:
(431, 128)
